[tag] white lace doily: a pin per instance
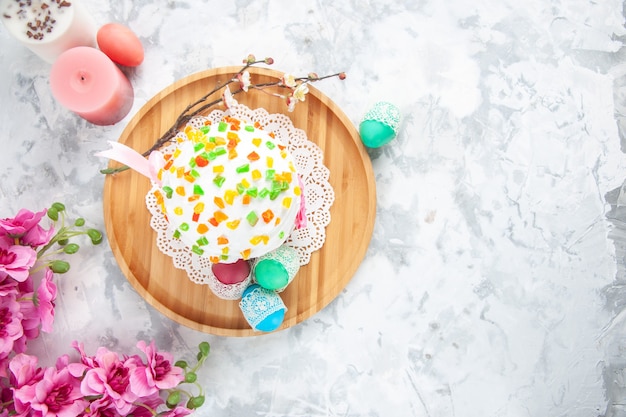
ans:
(319, 194)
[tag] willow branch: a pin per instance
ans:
(202, 104)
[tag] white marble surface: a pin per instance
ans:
(495, 281)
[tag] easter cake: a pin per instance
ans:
(229, 190)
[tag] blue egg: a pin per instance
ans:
(263, 309)
(271, 322)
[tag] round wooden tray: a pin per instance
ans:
(152, 274)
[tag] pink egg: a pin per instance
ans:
(120, 44)
(231, 273)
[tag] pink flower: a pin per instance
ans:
(30, 316)
(38, 236)
(7, 286)
(111, 379)
(103, 407)
(46, 294)
(56, 394)
(21, 223)
(244, 80)
(10, 324)
(16, 260)
(154, 401)
(24, 370)
(177, 412)
(158, 374)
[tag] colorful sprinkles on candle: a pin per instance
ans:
(236, 184)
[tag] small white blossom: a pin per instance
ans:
(291, 103)
(300, 92)
(289, 80)
(244, 80)
(227, 97)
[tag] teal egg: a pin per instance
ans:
(263, 309)
(380, 124)
(271, 274)
(375, 134)
(276, 269)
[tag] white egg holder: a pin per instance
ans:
(228, 291)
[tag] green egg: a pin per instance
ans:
(271, 274)
(375, 134)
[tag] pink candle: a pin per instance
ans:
(49, 27)
(87, 82)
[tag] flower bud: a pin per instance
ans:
(59, 267)
(250, 59)
(58, 206)
(173, 399)
(342, 76)
(79, 222)
(269, 60)
(191, 377)
(95, 236)
(205, 348)
(53, 214)
(71, 248)
(181, 364)
(313, 76)
(63, 242)
(195, 402)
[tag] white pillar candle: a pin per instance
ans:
(49, 27)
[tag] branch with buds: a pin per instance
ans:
(296, 90)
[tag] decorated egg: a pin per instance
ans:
(229, 281)
(276, 269)
(120, 44)
(263, 309)
(232, 273)
(380, 124)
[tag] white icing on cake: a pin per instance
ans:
(230, 190)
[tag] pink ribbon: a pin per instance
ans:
(134, 160)
(301, 215)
